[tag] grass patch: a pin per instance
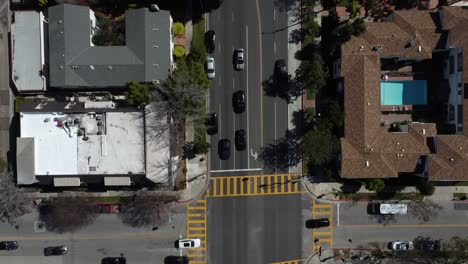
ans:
(381, 196)
(198, 40)
(310, 94)
(200, 130)
(462, 183)
(459, 196)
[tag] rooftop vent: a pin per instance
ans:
(155, 46)
(109, 67)
(412, 43)
(74, 67)
(154, 8)
(451, 159)
(424, 131)
(361, 48)
(419, 48)
(60, 21)
(367, 163)
(460, 148)
(91, 67)
(398, 143)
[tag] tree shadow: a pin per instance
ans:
(383, 219)
(283, 153)
(307, 52)
(351, 186)
(296, 36)
(287, 88)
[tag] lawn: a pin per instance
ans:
(198, 41)
(113, 199)
(375, 196)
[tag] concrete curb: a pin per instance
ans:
(205, 187)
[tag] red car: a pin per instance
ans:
(109, 208)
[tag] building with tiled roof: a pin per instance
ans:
(404, 102)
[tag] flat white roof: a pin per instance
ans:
(114, 143)
(27, 39)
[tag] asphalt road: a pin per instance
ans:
(107, 237)
(352, 221)
(260, 229)
(237, 25)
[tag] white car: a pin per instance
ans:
(210, 68)
(401, 245)
(188, 243)
(239, 59)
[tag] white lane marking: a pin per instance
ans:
(337, 214)
(219, 80)
(253, 154)
(232, 16)
(274, 47)
(219, 14)
(274, 14)
(247, 88)
(220, 127)
(219, 48)
(275, 119)
(233, 87)
(253, 169)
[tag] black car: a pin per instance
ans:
(176, 260)
(240, 141)
(210, 40)
(427, 245)
(114, 260)
(211, 123)
(8, 245)
(280, 75)
(55, 251)
(238, 102)
(280, 67)
(317, 223)
(224, 149)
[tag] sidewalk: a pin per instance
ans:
(441, 193)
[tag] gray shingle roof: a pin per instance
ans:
(74, 63)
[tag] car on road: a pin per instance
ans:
(210, 68)
(8, 245)
(176, 260)
(239, 62)
(210, 40)
(280, 75)
(188, 243)
(224, 148)
(387, 208)
(238, 102)
(317, 223)
(400, 245)
(211, 124)
(240, 141)
(55, 251)
(109, 208)
(114, 260)
(429, 245)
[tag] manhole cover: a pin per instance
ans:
(39, 227)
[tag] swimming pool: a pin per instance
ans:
(412, 92)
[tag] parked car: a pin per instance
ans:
(430, 245)
(8, 245)
(317, 223)
(188, 243)
(109, 208)
(176, 260)
(55, 251)
(211, 123)
(239, 59)
(240, 141)
(210, 41)
(400, 245)
(280, 75)
(224, 148)
(114, 260)
(238, 102)
(387, 208)
(210, 68)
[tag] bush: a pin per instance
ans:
(376, 185)
(179, 51)
(201, 147)
(138, 94)
(178, 29)
(425, 187)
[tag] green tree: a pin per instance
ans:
(369, 5)
(179, 51)
(138, 93)
(201, 146)
(358, 26)
(376, 185)
(457, 250)
(311, 29)
(425, 187)
(319, 146)
(312, 73)
(178, 29)
(353, 8)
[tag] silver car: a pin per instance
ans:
(210, 68)
(239, 59)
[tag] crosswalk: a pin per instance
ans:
(229, 186)
(296, 261)
(322, 236)
(196, 228)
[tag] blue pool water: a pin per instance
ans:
(403, 92)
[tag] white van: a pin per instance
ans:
(387, 208)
